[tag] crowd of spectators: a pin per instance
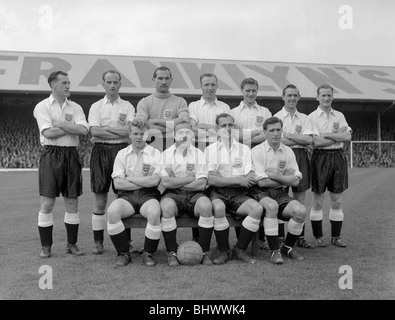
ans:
(20, 146)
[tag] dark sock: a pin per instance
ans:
(281, 230)
(170, 240)
(205, 238)
(317, 228)
(245, 238)
(120, 241)
(336, 227)
(72, 233)
(290, 239)
(272, 241)
(150, 245)
(222, 238)
(98, 235)
(46, 235)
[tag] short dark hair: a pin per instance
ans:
(163, 68)
(223, 115)
(250, 81)
(53, 76)
(272, 120)
(138, 123)
(324, 86)
(208, 75)
(182, 122)
(111, 71)
(290, 86)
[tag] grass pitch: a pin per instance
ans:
(368, 230)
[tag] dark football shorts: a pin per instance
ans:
(233, 198)
(278, 194)
(60, 172)
(329, 171)
(304, 167)
(138, 197)
(184, 200)
(101, 165)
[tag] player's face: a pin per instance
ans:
(162, 81)
(325, 97)
(61, 86)
(209, 87)
(184, 134)
(224, 127)
(273, 133)
(291, 98)
(250, 91)
(111, 84)
(137, 137)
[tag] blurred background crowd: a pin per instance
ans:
(20, 143)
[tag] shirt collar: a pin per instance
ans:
(130, 149)
(320, 111)
(173, 148)
(244, 106)
(286, 113)
(222, 145)
(52, 99)
(106, 100)
(268, 147)
(203, 102)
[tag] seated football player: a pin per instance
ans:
(136, 176)
(230, 175)
(184, 177)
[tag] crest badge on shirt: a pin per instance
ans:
(168, 114)
(281, 166)
(259, 121)
(146, 169)
(190, 168)
(237, 162)
(68, 117)
(335, 127)
(298, 129)
(122, 119)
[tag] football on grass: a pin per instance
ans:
(189, 253)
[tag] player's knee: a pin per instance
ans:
(336, 204)
(300, 213)
(256, 211)
(154, 215)
(169, 208)
(113, 216)
(219, 208)
(271, 208)
(47, 205)
(205, 208)
(100, 204)
(71, 204)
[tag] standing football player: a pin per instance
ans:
(328, 165)
(60, 122)
(108, 120)
(297, 134)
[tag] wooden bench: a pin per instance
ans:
(137, 221)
